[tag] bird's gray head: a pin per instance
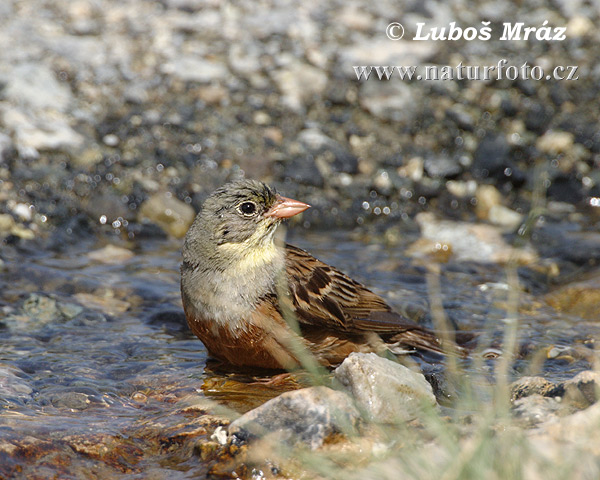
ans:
(237, 219)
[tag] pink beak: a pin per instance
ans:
(286, 208)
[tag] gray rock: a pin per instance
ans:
(386, 391)
(442, 166)
(307, 416)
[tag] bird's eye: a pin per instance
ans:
(248, 208)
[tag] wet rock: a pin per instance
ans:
(307, 416)
(171, 214)
(527, 386)
(42, 309)
(472, 242)
(578, 298)
(104, 302)
(71, 400)
(386, 391)
(583, 389)
(14, 387)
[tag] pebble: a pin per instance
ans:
(169, 213)
(191, 68)
(22, 211)
(308, 416)
(299, 83)
(385, 391)
(472, 242)
(106, 303)
(555, 142)
(7, 222)
(111, 254)
(34, 86)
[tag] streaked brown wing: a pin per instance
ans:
(324, 296)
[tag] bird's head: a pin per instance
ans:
(239, 218)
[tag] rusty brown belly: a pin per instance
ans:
(265, 343)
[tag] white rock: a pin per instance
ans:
(386, 391)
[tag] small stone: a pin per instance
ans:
(413, 169)
(579, 26)
(190, 68)
(273, 134)
(430, 250)
(261, 118)
(299, 83)
(22, 211)
(504, 217)
(71, 400)
(462, 189)
(487, 196)
(111, 140)
(553, 142)
(472, 241)
(22, 232)
(443, 166)
(395, 101)
(213, 94)
(308, 416)
(7, 222)
(169, 213)
(111, 254)
(386, 391)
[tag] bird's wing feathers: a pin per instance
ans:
(324, 296)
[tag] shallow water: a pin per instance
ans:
(92, 349)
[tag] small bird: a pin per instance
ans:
(256, 302)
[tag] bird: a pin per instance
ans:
(257, 302)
